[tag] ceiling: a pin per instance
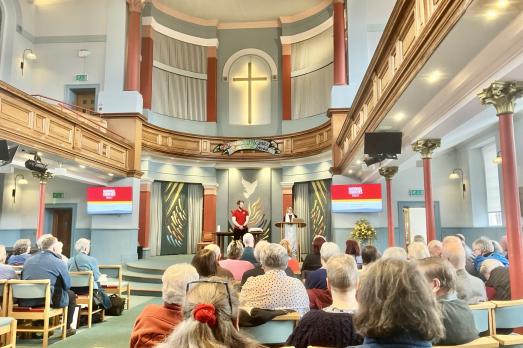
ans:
(241, 10)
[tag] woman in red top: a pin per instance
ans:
(293, 264)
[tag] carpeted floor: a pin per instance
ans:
(112, 333)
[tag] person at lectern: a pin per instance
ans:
(290, 230)
(289, 215)
(240, 219)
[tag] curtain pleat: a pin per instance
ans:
(301, 207)
(155, 227)
(311, 93)
(314, 52)
(179, 54)
(195, 214)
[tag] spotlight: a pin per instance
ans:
(36, 165)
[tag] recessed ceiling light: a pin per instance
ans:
(398, 117)
(502, 3)
(81, 166)
(110, 174)
(434, 76)
(491, 14)
(350, 171)
(359, 162)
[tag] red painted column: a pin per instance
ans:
(429, 204)
(41, 210)
(209, 210)
(146, 67)
(511, 204)
(340, 51)
(212, 79)
(286, 82)
(132, 72)
(144, 219)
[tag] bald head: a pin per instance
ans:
(454, 251)
(435, 248)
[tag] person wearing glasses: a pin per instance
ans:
(210, 318)
(156, 322)
(274, 289)
(483, 249)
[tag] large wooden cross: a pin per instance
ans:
(249, 79)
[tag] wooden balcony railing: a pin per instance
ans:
(413, 32)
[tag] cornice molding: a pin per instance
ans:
(162, 29)
(290, 39)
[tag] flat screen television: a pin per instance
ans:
(109, 200)
(383, 143)
(359, 198)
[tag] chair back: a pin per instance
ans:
(481, 319)
(508, 314)
(81, 279)
(275, 331)
(28, 289)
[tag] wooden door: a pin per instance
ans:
(62, 228)
(85, 100)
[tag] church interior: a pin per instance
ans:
(138, 137)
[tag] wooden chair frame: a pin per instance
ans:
(121, 288)
(87, 299)
(506, 340)
(45, 315)
(292, 316)
(5, 292)
(10, 332)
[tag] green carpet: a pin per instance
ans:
(114, 332)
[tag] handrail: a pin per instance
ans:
(68, 106)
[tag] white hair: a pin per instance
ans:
(328, 250)
(216, 249)
(488, 265)
(275, 257)
(395, 253)
(248, 240)
(174, 282)
(484, 244)
(418, 251)
(82, 245)
(46, 242)
(3, 254)
(259, 250)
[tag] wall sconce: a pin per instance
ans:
(21, 181)
(457, 173)
(30, 55)
(498, 159)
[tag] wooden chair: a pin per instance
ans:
(4, 292)
(116, 285)
(275, 331)
(508, 315)
(35, 289)
(8, 332)
(85, 280)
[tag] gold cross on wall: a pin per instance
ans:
(249, 80)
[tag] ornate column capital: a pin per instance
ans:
(210, 189)
(426, 146)
(43, 177)
(136, 5)
(388, 172)
(502, 95)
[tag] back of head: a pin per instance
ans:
(328, 250)
(342, 272)
(454, 252)
(276, 257)
(287, 245)
(82, 245)
(497, 247)
(235, 250)
(47, 241)
(259, 250)
(419, 238)
(394, 253)
(210, 311)
(205, 262)
(175, 280)
(216, 249)
(417, 251)
(394, 299)
(504, 243)
(3, 254)
(435, 247)
(369, 254)
(352, 247)
(317, 242)
(248, 240)
(22, 246)
(440, 269)
(488, 265)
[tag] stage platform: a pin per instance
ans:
(145, 275)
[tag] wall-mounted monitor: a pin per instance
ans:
(110, 200)
(383, 143)
(360, 198)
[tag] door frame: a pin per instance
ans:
(48, 223)
(416, 204)
(69, 93)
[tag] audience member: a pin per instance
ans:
(6, 271)
(210, 319)
(21, 252)
(369, 254)
(396, 307)
(469, 266)
(294, 265)
(248, 250)
(205, 263)
(47, 265)
(435, 248)
(59, 250)
(504, 245)
(417, 251)
(220, 271)
(83, 262)
(468, 288)
(274, 289)
(483, 248)
(318, 279)
(259, 253)
(419, 238)
(352, 247)
(497, 280)
(233, 263)
(156, 322)
(458, 319)
(332, 326)
(395, 253)
(313, 260)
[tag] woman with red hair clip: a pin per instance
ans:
(211, 318)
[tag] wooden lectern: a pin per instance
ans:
(299, 223)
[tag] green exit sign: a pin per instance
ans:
(416, 192)
(80, 77)
(58, 195)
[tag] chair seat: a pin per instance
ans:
(5, 321)
(483, 342)
(509, 340)
(28, 309)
